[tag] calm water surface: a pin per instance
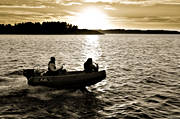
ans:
(143, 76)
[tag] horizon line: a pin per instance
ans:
(141, 29)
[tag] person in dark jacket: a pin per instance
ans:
(89, 66)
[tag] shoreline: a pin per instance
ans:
(52, 34)
(123, 31)
(102, 34)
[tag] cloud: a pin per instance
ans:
(21, 6)
(152, 19)
(135, 2)
(71, 3)
(150, 22)
(126, 12)
(36, 10)
(108, 7)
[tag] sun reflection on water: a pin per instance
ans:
(91, 47)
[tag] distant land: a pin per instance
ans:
(53, 28)
(123, 31)
(44, 28)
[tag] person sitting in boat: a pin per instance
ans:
(90, 67)
(52, 67)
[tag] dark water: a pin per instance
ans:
(143, 77)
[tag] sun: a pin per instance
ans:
(92, 18)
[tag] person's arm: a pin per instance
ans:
(96, 67)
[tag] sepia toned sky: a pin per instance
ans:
(95, 14)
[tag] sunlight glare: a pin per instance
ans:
(91, 47)
(92, 18)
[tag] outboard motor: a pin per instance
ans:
(28, 73)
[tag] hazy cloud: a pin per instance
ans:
(21, 6)
(120, 12)
(143, 2)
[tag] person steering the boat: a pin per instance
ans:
(90, 67)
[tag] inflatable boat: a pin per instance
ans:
(72, 79)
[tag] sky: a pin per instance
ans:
(95, 14)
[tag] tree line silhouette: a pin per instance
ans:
(123, 31)
(38, 28)
(66, 28)
(43, 28)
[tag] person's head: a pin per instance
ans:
(89, 60)
(53, 59)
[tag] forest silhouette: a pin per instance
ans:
(123, 31)
(43, 28)
(66, 28)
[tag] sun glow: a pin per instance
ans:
(91, 47)
(92, 18)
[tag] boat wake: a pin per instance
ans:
(14, 84)
(18, 99)
(21, 100)
(13, 73)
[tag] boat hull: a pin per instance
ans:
(76, 79)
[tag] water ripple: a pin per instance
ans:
(142, 76)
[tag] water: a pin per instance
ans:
(143, 76)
